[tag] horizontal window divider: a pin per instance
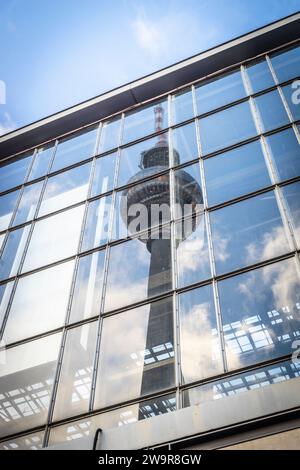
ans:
(243, 197)
(32, 338)
(23, 433)
(40, 268)
(234, 372)
(78, 323)
(118, 406)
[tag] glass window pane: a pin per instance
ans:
(136, 272)
(142, 206)
(110, 135)
(199, 340)
(287, 63)
(192, 250)
(75, 379)
(97, 223)
(292, 96)
(75, 148)
(144, 362)
(26, 379)
(226, 128)
(240, 383)
(143, 159)
(103, 179)
(182, 106)
(292, 197)
(79, 429)
(260, 313)
(188, 192)
(41, 161)
(39, 303)
(13, 171)
(5, 292)
(12, 252)
(145, 120)
(65, 189)
(28, 202)
(248, 232)
(185, 145)
(33, 441)
(54, 238)
(219, 91)
(271, 111)
(285, 151)
(7, 206)
(259, 76)
(88, 287)
(239, 171)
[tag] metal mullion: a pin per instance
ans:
(273, 73)
(194, 100)
(64, 329)
(297, 132)
(246, 81)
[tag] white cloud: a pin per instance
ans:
(149, 36)
(7, 124)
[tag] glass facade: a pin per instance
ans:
(151, 262)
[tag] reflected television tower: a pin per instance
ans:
(158, 372)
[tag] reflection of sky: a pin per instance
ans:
(65, 189)
(40, 302)
(54, 238)
(248, 232)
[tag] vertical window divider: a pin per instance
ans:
(285, 103)
(246, 81)
(272, 69)
(176, 329)
(194, 101)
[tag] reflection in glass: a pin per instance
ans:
(185, 143)
(142, 206)
(143, 360)
(219, 91)
(292, 94)
(271, 111)
(136, 272)
(41, 161)
(7, 206)
(192, 250)
(74, 386)
(28, 202)
(287, 63)
(260, 313)
(110, 135)
(226, 127)
(39, 303)
(234, 173)
(75, 148)
(182, 106)
(136, 157)
(140, 123)
(54, 238)
(259, 76)
(12, 252)
(285, 151)
(5, 292)
(13, 171)
(84, 427)
(248, 232)
(241, 383)
(65, 189)
(26, 380)
(88, 287)
(33, 441)
(188, 193)
(103, 179)
(199, 341)
(292, 197)
(97, 223)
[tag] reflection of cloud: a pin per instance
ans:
(272, 244)
(220, 247)
(200, 350)
(7, 125)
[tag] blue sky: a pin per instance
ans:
(56, 53)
